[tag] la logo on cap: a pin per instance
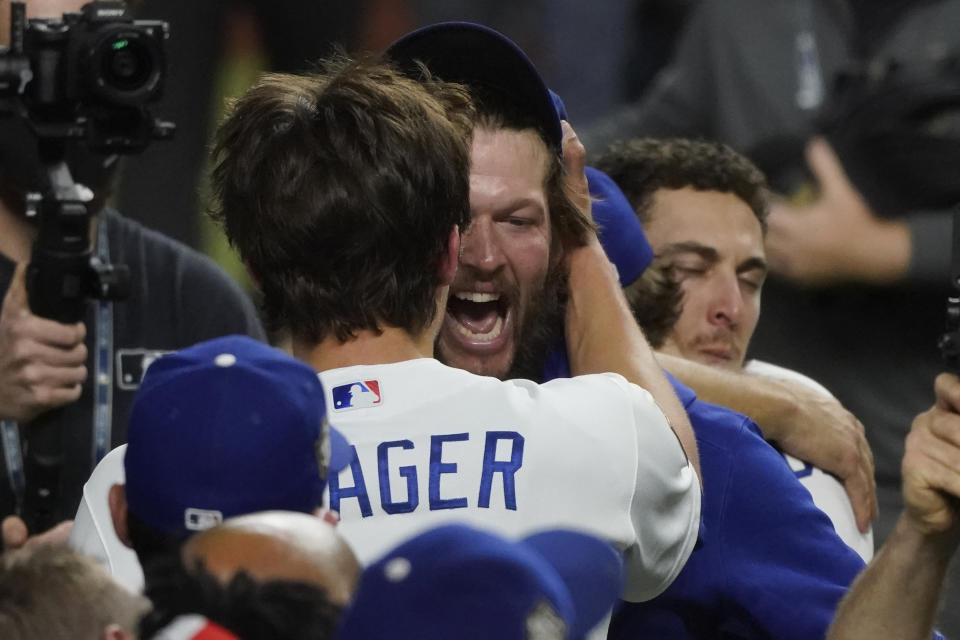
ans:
(201, 519)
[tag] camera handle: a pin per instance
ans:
(62, 275)
(950, 340)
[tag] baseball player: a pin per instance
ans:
(353, 236)
(704, 209)
(225, 427)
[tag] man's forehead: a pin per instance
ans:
(501, 147)
(688, 215)
(508, 165)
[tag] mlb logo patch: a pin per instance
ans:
(356, 395)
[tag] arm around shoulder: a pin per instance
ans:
(666, 506)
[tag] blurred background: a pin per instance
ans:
(596, 55)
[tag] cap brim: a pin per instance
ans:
(478, 56)
(341, 452)
(591, 569)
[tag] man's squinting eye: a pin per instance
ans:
(520, 221)
(752, 281)
(686, 268)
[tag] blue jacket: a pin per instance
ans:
(769, 563)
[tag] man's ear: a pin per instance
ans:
(117, 498)
(329, 516)
(116, 632)
(450, 260)
(253, 276)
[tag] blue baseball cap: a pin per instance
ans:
(227, 427)
(619, 229)
(459, 582)
(478, 56)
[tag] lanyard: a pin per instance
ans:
(103, 367)
(102, 390)
(809, 94)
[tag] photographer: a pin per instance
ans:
(79, 378)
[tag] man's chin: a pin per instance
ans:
(496, 364)
(720, 361)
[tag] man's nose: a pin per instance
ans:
(726, 305)
(481, 249)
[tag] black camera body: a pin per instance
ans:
(949, 343)
(79, 85)
(88, 75)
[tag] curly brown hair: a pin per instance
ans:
(340, 189)
(656, 300)
(642, 166)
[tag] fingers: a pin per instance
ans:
(861, 488)
(947, 390)
(55, 537)
(26, 351)
(16, 298)
(943, 427)
(783, 226)
(857, 472)
(25, 325)
(931, 465)
(574, 153)
(826, 167)
(574, 163)
(42, 362)
(14, 532)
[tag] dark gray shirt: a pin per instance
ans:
(178, 297)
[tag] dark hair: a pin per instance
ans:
(151, 546)
(656, 300)
(340, 189)
(249, 608)
(54, 593)
(568, 222)
(642, 166)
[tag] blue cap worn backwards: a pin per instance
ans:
(227, 427)
(458, 582)
(478, 56)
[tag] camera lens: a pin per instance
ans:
(126, 64)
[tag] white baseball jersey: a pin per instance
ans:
(436, 444)
(827, 492)
(93, 534)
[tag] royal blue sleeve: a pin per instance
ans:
(784, 563)
(770, 564)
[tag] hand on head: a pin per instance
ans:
(574, 164)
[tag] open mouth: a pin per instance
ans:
(479, 317)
